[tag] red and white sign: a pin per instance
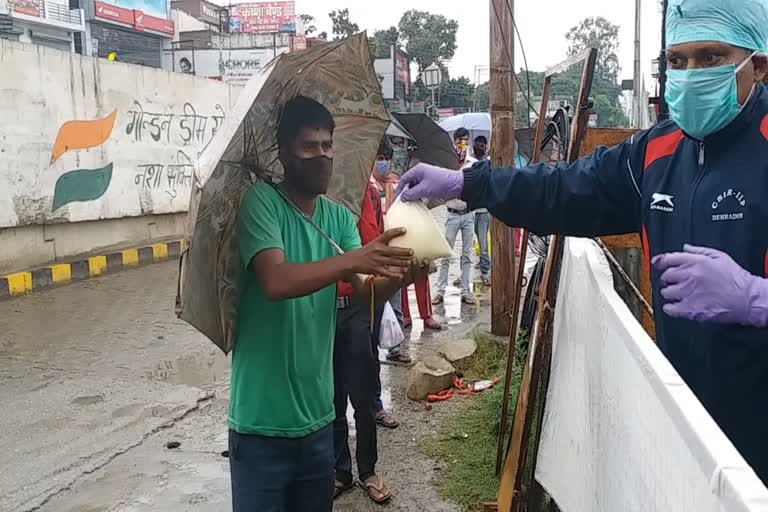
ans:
(136, 19)
(28, 7)
(403, 70)
(298, 42)
(263, 17)
(445, 113)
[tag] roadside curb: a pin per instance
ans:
(61, 274)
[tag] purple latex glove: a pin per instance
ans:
(426, 181)
(706, 285)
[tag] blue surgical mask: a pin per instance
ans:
(382, 167)
(704, 101)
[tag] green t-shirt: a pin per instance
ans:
(282, 364)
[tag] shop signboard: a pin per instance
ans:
(28, 7)
(138, 19)
(403, 70)
(263, 17)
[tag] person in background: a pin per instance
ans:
(460, 220)
(480, 148)
(281, 450)
(482, 217)
(356, 367)
(385, 179)
(400, 155)
(696, 188)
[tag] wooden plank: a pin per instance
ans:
(518, 291)
(567, 63)
(502, 85)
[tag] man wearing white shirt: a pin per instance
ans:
(460, 220)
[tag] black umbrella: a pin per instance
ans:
(433, 144)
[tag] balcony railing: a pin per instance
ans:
(54, 12)
(62, 13)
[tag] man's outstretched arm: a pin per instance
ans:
(597, 195)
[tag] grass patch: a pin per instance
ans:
(467, 440)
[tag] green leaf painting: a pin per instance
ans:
(81, 185)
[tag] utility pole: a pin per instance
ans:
(663, 109)
(503, 146)
(636, 95)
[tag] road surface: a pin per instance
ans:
(98, 377)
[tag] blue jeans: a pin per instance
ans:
(278, 474)
(466, 225)
(482, 227)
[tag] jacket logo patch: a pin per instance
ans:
(729, 206)
(663, 203)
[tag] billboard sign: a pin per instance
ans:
(139, 20)
(233, 66)
(403, 70)
(263, 17)
(209, 12)
(28, 7)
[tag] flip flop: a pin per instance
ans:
(375, 484)
(340, 488)
(386, 420)
(400, 358)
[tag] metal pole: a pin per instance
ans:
(663, 109)
(636, 106)
(502, 89)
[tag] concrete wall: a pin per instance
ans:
(95, 153)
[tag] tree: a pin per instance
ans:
(456, 92)
(342, 25)
(429, 38)
(309, 24)
(383, 40)
(597, 32)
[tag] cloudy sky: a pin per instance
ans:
(542, 25)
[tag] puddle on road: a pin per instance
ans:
(193, 370)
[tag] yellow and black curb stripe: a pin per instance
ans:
(60, 274)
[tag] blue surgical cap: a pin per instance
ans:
(742, 23)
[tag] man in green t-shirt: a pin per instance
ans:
(282, 409)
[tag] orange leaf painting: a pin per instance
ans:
(75, 135)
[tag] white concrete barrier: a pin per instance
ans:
(84, 139)
(622, 431)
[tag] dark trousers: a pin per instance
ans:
(378, 314)
(278, 474)
(355, 376)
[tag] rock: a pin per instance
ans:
(430, 376)
(456, 351)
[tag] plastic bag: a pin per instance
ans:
(391, 334)
(423, 234)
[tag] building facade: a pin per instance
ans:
(56, 24)
(135, 36)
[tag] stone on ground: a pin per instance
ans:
(430, 376)
(456, 351)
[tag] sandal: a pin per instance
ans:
(377, 490)
(340, 488)
(399, 358)
(386, 420)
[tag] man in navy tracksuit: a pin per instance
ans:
(696, 188)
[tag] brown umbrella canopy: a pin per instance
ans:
(340, 76)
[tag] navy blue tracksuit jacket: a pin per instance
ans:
(674, 190)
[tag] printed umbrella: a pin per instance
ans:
(340, 76)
